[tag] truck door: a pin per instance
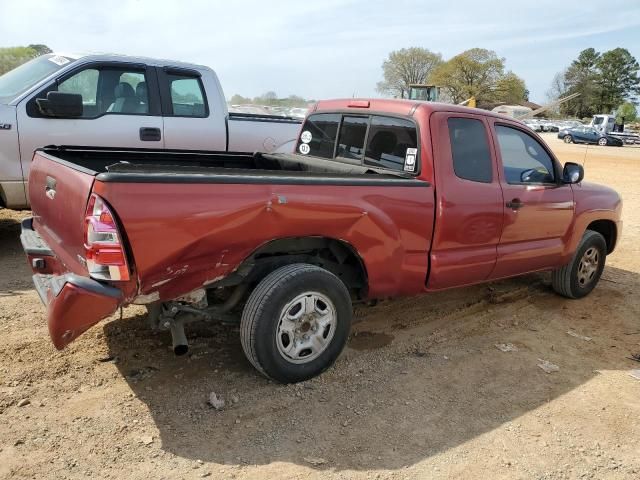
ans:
(190, 122)
(538, 208)
(121, 108)
(468, 201)
(11, 182)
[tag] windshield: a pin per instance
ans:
(22, 78)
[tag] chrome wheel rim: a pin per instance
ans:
(588, 266)
(602, 142)
(567, 139)
(306, 327)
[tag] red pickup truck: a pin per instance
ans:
(382, 198)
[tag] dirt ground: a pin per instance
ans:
(420, 392)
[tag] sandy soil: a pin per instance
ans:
(420, 392)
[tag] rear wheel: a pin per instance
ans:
(603, 142)
(581, 275)
(568, 139)
(296, 322)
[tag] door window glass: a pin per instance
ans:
(388, 141)
(187, 97)
(524, 160)
(470, 150)
(109, 90)
(83, 83)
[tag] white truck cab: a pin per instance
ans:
(122, 102)
(606, 124)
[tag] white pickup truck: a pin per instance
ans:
(124, 102)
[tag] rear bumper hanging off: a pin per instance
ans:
(74, 303)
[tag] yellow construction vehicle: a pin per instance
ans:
(427, 93)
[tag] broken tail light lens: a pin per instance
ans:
(104, 251)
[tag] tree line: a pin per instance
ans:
(605, 81)
(271, 99)
(12, 57)
(477, 72)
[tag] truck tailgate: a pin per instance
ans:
(59, 192)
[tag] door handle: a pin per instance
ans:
(148, 134)
(515, 204)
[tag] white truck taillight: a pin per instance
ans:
(104, 252)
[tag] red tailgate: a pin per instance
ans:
(59, 192)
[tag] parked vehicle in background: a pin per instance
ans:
(383, 198)
(124, 102)
(589, 135)
(606, 124)
(533, 124)
(298, 112)
(548, 126)
(568, 124)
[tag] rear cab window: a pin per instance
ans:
(376, 140)
(187, 96)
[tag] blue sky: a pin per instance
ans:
(328, 48)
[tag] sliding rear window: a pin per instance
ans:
(375, 140)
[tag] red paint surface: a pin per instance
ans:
(183, 236)
(74, 311)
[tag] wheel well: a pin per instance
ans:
(336, 256)
(608, 230)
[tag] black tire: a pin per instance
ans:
(261, 320)
(565, 280)
(568, 139)
(603, 142)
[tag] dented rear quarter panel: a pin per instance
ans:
(184, 236)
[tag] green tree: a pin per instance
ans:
(582, 77)
(479, 73)
(239, 100)
(603, 81)
(511, 89)
(626, 112)
(618, 78)
(40, 49)
(405, 67)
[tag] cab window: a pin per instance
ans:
(352, 136)
(187, 96)
(391, 144)
(318, 137)
(524, 159)
(375, 140)
(470, 150)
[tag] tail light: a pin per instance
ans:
(104, 251)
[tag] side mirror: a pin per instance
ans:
(572, 173)
(61, 105)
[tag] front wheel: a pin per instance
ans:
(568, 139)
(581, 275)
(603, 142)
(296, 322)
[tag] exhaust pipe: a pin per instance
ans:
(179, 339)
